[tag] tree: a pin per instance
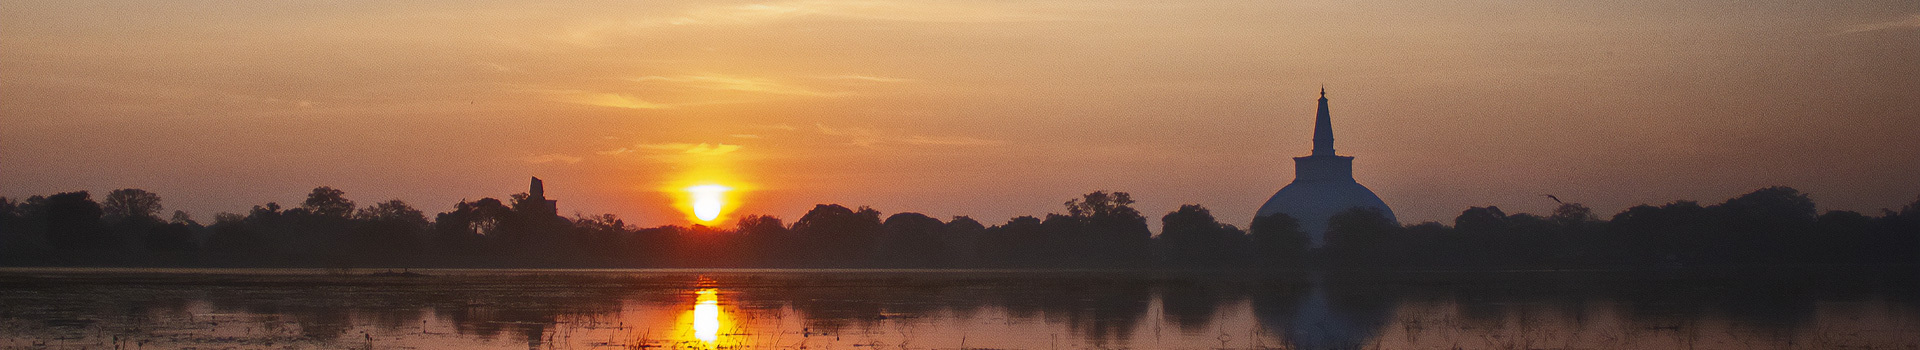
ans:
(1101, 229)
(962, 237)
(9, 208)
(1278, 240)
(234, 241)
(181, 217)
(396, 211)
(837, 235)
(170, 237)
(1101, 204)
(74, 222)
(912, 240)
(1573, 215)
(1759, 227)
(131, 204)
(1481, 221)
(768, 239)
(328, 202)
(388, 232)
(1019, 242)
(1363, 237)
(1191, 237)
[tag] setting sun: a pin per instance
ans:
(708, 201)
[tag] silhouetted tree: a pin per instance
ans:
(1019, 242)
(1278, 241)
(769, 240)
(837, 235)
(1190, 237)
(235, 241)
(605, 236)
(1484, 234)
(911, 240)
(1578, 235)
(170, 237)
(17, 243)
(73, 221)
(1362, 237)
(328, 202)
(1433, 244)
(1101, 229)
(1757, 227)
(1675, 233)
(463, 231)
(1837, 238)
(1901, 241)
(963, 239)
(131, 204)
(388, 232)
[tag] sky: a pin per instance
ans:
(990, 109)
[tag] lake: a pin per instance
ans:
(954, 309)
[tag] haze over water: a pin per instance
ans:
(861, 309)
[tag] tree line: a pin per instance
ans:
(1771, 226)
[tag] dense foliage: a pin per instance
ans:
(1771, 226)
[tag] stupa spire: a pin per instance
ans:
(1323, 128)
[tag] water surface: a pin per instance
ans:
(862, 309)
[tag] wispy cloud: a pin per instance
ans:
(602, 33)
(950, 141)
(704, 149)
(903, 11)
(737, 83)
(551, 158)
(745, 136)
(1910, 21)
(603, 99)
(867, 78)
(712, 150)
(865, 137)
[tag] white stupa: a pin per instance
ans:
(1322, 185)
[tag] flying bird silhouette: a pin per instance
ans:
(1555, 199)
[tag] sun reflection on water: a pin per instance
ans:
(706, 316)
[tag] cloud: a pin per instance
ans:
(704, 149)
(551, 158)
(775, 127)
(615, 152)
(603, 99)
(737, 83)
(1911, 21)
(897, 11)
(950, 141)
(712, 150)
(867, 78)
(745, 136)
(604, 32)
(674, 146)
(865, 137)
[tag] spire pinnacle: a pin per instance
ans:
(1323, 128)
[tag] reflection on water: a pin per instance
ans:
(467, 309)
(706, 316)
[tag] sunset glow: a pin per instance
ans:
(988, 109)
(706, 316)
(708, 201)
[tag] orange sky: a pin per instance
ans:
(990, 109)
